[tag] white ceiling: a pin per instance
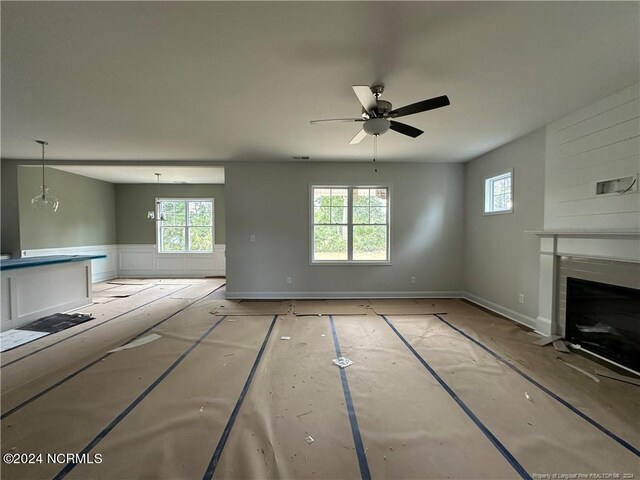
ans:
(146, 174)
(226, 81)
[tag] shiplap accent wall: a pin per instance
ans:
(599, 142)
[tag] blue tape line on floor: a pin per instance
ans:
(492, 438)
(89, 365)
(355, 430)
(70, 466)
(213, 463)
(559, 399)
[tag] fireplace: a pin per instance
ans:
(604, 319)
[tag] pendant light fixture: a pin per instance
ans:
(44, 201)
(156, 214)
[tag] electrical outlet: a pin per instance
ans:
(521, 298)
(289, 280)
(253, 238)
(413, 280)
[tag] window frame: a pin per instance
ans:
(488, 192)
(186, 226)
(350, 261)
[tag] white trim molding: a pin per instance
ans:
(342, 295)
(538, 324)
(101, 269)
(144, 260)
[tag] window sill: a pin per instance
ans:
(501, 212)
(349, 263)
(185, 253)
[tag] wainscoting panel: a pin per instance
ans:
(101, 269)
(145, 261)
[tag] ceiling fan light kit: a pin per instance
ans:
(376, 126)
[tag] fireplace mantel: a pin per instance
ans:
(621, 246)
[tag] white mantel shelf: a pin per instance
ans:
(583, 233)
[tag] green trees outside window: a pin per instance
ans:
(350, 224)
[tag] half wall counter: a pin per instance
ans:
(34, 287)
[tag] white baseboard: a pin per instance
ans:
(143, 260)
(342, 295)
(507, 312)
(101, 269)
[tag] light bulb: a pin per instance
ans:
(44, 202)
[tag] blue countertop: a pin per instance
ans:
(26, 262)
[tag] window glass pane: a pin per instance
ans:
(339, 215)
(321, 215)
(339, 197)
(498, 193)
(329, 242)
(370, 242)
(360, 215)
(378, 197)
(173, 239)
(201, 213)
(378, 214)
(321, 197)
(174, 213)
(200, 239)
(360, 197)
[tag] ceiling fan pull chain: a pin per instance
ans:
(375, 151)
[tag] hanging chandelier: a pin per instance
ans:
(43, 201)
(157, 213)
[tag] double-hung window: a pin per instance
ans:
(498, 193)
(187, 226)
(350, 224)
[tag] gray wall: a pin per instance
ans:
(501, 260)
(271, 201)
(133, 201)
(86, 215)
(10, 242)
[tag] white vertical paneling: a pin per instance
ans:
(599, 142)
(144, 260)
(101, 269)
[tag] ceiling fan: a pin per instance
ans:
(377, 114)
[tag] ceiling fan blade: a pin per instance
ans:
(358, 137)
(338, 120)
(422, 106)
(405, 129)
(368, 101)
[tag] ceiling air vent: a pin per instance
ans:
(301, 157)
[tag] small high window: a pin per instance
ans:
(498, 193)
(187, 226)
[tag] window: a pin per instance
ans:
(187, 226)
(350, 224)
(498, 194)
